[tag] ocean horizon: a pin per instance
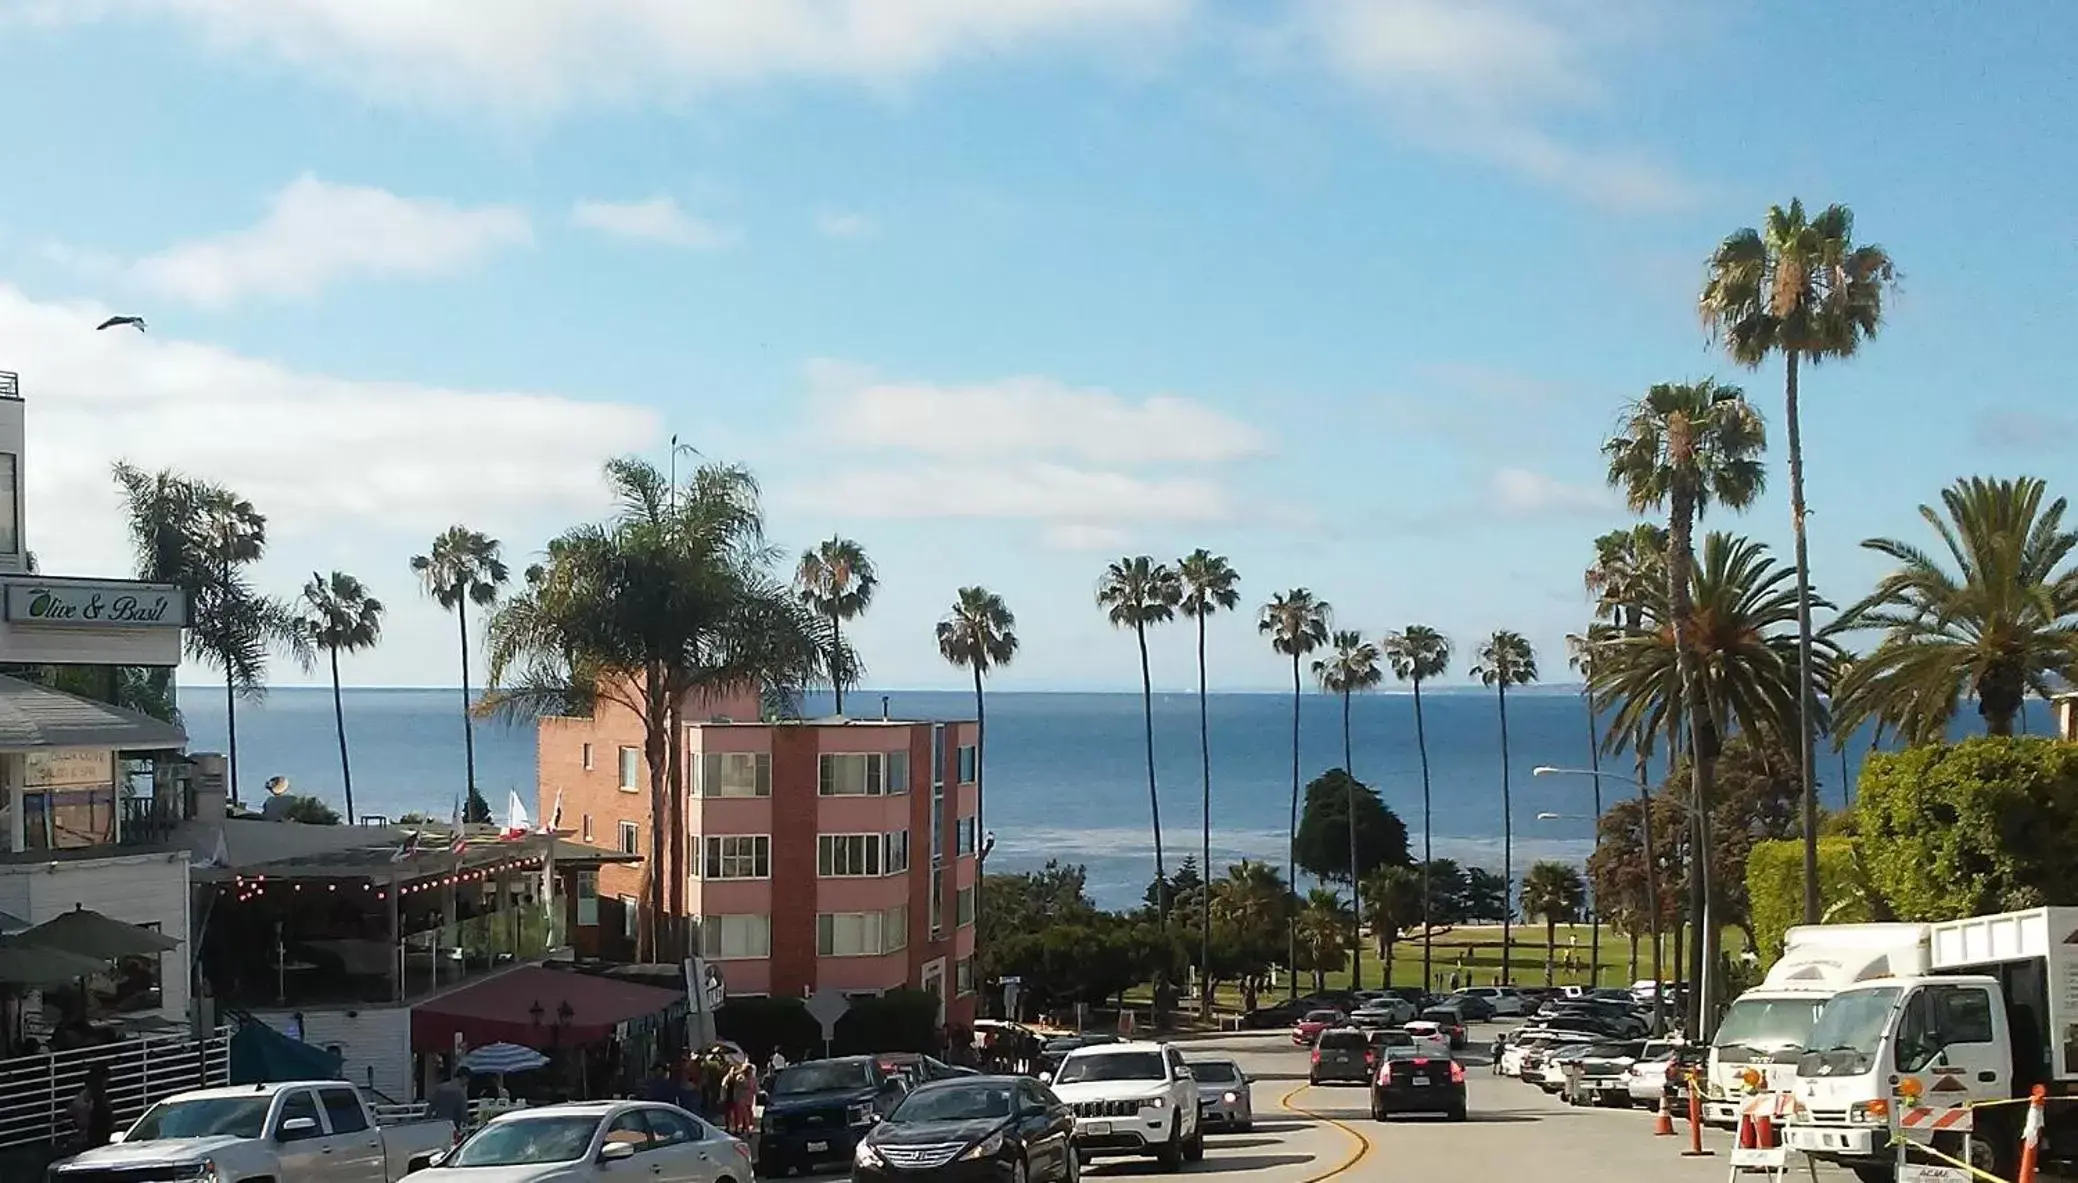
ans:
(1066, 774)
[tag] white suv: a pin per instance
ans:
(1506, 1000)
(1132, 1098)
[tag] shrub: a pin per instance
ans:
(760, 1024)
(1775, 890)
(897, 1021)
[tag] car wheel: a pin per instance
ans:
(772, 1168)
(1194, 1150)
(1171, 1153)
(1019, 1172)
(1072, 1170)
(1458, 1114)
(1313, 1078)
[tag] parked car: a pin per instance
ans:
(1309, 1027)
(917, 1068)
(998, 1127)
(1448, 1019)
(1133, 1098)
(1342, 1055)
(1409, 1082)
(1475, 1008)
(1277, 1014)
(1389, 1011)
(1054, 1050)
(1621, 1021)
(1501, 1001)
(305, 1129)
(1646, 1081)
(816, 1111)
(593, 1140)
(1429, 1039)
(1223, 1101)
(1605, 1074)
(1552, 1075)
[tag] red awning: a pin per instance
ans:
(501, 1009)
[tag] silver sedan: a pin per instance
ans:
(1223, 1103)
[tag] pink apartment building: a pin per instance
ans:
(826, 853)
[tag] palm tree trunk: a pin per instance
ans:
(1703, 741)
(231, 729)
(656, 728)
(1807, 690)
(1421, 743)
(1634, 955)
(980, 829)
(1154, 800)
(1846, 781)
(1205, 833)
(1550, 947)
(1652, 891)
(346, 771)
(468, 724)
(674, 826)
(1594, 913)
(836, 674)
(1507, 842)
(1291, 846)
(1356, 897)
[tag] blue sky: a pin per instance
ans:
(1347, 291)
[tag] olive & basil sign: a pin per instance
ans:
(96, 605)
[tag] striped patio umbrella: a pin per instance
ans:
(493, 1059)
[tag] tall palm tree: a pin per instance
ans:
(1134, 593)
(1506, 659)
(1297, 624)
(339, 615)
(1418, 653)
(464, 567)
(1581, 649)
(202, 537)
(1552, 892)
(1210, 585)
(1997, 623)
(1392, 904)
(1353, 666)
(979, 634)
(1683, 447)
(1803, 289)
(835, 578)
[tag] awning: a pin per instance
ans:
(35, 967)
(501, 1009)
(87, 933)
(34, 718)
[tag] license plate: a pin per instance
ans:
(818, 1147)
(1421, 1082)
(1098, 1127)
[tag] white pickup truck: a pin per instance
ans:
(306, 1131)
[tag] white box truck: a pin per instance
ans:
(1764, 1029)
(1994, 1013)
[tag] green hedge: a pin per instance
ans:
(1775, 889)
(1986, 825)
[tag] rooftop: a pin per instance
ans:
(35, 718)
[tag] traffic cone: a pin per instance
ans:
(1663, 1125)
(1764, 1132)
(1746, 1138)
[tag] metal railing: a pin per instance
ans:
(35, 1091)
(10, 384)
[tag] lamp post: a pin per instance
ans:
(1652, 905)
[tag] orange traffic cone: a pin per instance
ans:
(1764, 1132)
(1663, 1125)
(1746, 1139)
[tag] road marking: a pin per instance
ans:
(1363, 1144)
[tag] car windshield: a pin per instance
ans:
(1844, 1039)
(828, 1076)
(955, 1102)
(522, 1141)
(1392, 1039)
(1765, 1029)
(1093, 1066)
(1345, 1041)
(204, 1117)
(1215, 1071)
(1439, 1015)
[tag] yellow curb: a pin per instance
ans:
(1363, 1144)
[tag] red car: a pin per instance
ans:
(1308, 1029)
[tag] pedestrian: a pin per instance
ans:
(93, 1119)
(777, 1061)
(449, 1100)
(742, 1084)
(1500, 1045)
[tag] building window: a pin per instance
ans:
(937, 903)
(896, 859)
(739, 856)
(897, 773)
(963, 910)
(856, 934)
(853, 774)
(743, 936)
(896, 928)
(736, 774)
(587, 830)
(631, 838)
(937, 754)
(629, 916)
(963, 976)
(845, 856)
(586, 753)
(937, 824)
(10, 504)
(631, 769)
(963, 835)
(967, 764)
(587, 898)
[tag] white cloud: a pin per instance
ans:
(545, 54)
(1074, 536)
(847, 227)
(1518, 492)
(1035, 415)
(657, 219)
(337, 464)
(318, 232)
(1078, 499)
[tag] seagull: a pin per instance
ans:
(113, 321)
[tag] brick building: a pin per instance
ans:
(825, 853)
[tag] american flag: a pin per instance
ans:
(460, 840)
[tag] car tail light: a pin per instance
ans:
(1316, 1055)
(1370, 1057)
(1457, 1072)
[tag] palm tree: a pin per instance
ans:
(1684, 446)
(340, 615)
(463, 568)
(1504, 660)
(980, 634)
(1418, 653)
(1210, 585)
(201, 537)
(837, 580)
(1354, 666)
(1296, 624)
(1581, 649)
(1253, 902)
(1804, 290)
(1552, 892)
(1998, 626)
(1392, 904)
(1322, 929)
(1137, 592)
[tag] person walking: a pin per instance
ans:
(449, 1100)
(93, 1118)
(741, 1084)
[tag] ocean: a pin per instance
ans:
(1066, 775)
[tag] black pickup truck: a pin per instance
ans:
(816, 1112)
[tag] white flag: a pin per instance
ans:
(2031, 1133)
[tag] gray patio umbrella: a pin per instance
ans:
(36, 967)
(90, 934)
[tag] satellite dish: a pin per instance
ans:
(277, 785)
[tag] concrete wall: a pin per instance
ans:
(373, 1041)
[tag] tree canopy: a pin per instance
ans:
(1323, 841)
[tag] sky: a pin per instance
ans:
(1350, 292)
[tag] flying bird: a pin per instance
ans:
(113, 321)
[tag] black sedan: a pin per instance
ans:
(1408, 1083)
(972, 1129)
